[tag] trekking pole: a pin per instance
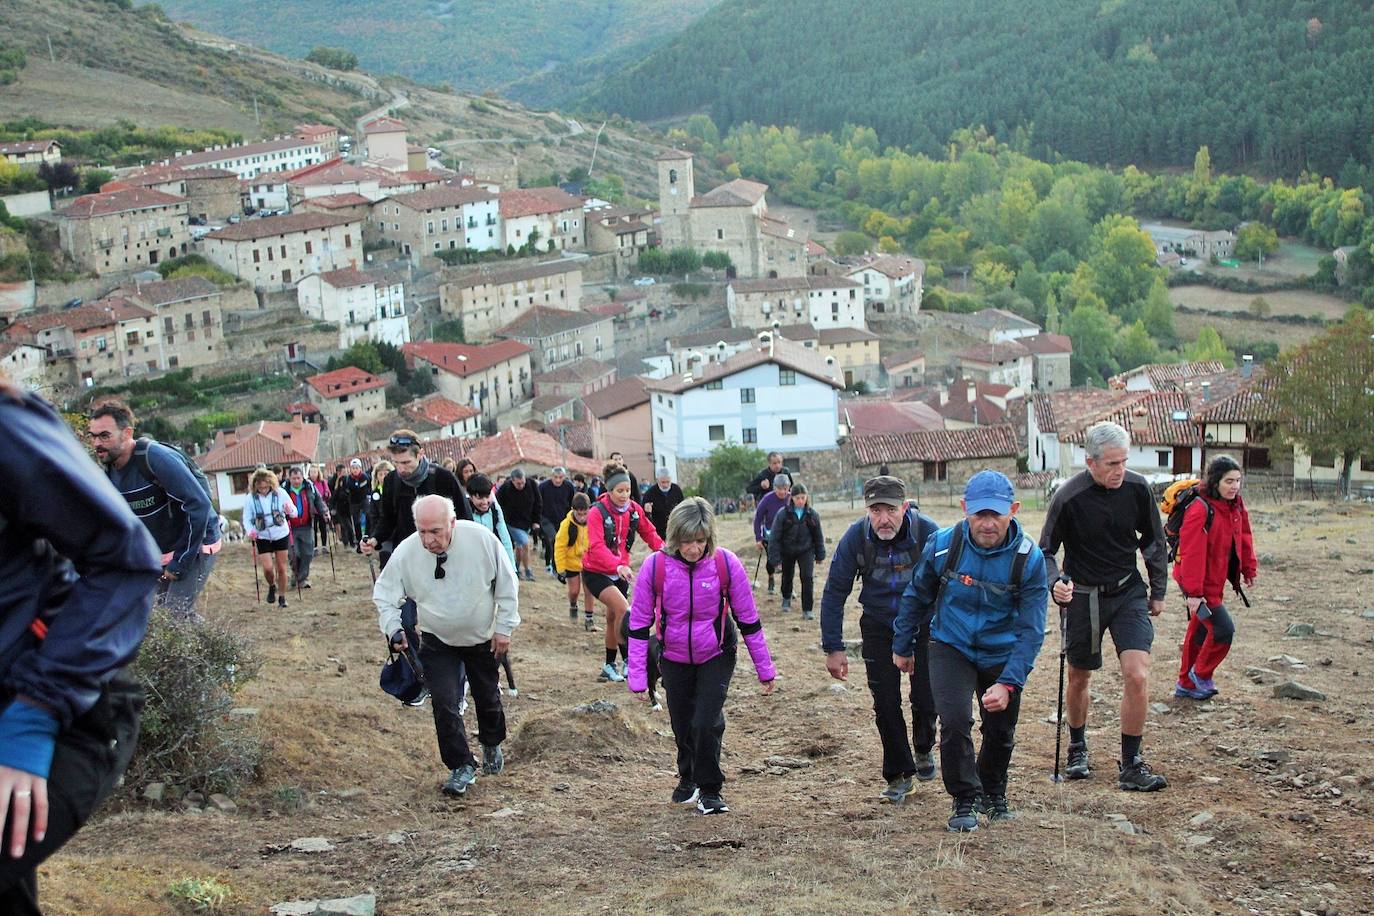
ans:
(333, 576)
(253, 548)
(370, 570)
(757, 564)
(1063, 648)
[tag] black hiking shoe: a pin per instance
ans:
(572, 613)
(271, 594)
(493, 759)
(996, 808)
(1078, 762)
(1136, 777)
(712, 803)
(925, 766)
(897, 790)
(965, 816)
(281, 600)
(460, 780)
(685, 793)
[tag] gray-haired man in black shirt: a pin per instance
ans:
(1103, 517)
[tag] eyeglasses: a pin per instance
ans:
(404, 441)
(439, 560)
(104, 436)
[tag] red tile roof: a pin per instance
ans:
(738, 193)
(1071, 408)
(874, 417)
(265, 442)
(165, 292)
(584, 370)
(270, 226)
(613, 399)
(445, 195)
(464, 359)
(497, 276)
(904, 358)
(348, 380)
(1151, 418)
(894, 266)
(542, 321)
(384, 125)
(1047, 344)
(314, 131)
(98, 314)
(516, 446)
(670, 155)
(415, 176)
(333, 171)
(533, 201)
(1248, 400)
(20, 147)
(335, 201)
(784, 353)
(1161, 376)
(609, 310)
(993, 354)
(123, 201)
(935, 445)
(788, 284)
(575, 434)
(440, 410)
(225, 153)
(161, 174)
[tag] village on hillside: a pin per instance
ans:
(526, 310)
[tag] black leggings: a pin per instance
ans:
(805, 565)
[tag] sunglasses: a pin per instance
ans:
(439, 560)
(404, 441)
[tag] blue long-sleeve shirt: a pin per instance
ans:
(173, 506)
(983, 623)
(882, 588)
(94, 587)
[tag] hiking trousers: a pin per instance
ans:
(696, 707)
(885, 683)
(301, 553)
(1206, 644)
(958, 683)
(444, 667)
(179, 595)
(805, 566)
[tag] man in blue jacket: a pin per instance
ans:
(167, 498)
(79, 573)
(881, 549)
(980, 594)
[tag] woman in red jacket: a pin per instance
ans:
(1209, 555)
(612, 524)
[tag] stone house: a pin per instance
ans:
(492, 378)
(854, 350)
(892, 284)
(188, 316)
(322, 134)
(534, 452)
(622, 231)
(103, 341)
(31, 154)
(553, 213)
(942, 458)
(558, 337)
(1008, 363)
(621, 420)
(365, 305)
(1050, 358)
(212, 195)
(823, 302)
(25, 364)
(490, 297)
(906, 369)
(275, 252)
(442, 218)
(346, 398)
(385, 144)
(125, 230)
(434, 417)
(576, 379)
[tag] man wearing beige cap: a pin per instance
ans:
(881, 551)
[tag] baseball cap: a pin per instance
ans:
(355, 463)
(989, 490)
(889, 491)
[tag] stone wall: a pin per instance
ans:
(826, 474)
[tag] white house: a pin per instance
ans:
(230, 462)
(776, 396)
(822, 302)
(553, 213)
(892, 283)
(1164, 440)
(365, 306)
(283, 154)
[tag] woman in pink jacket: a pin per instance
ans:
(684, 591)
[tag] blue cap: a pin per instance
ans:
(989, 490)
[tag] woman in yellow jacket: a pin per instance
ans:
(568, 549)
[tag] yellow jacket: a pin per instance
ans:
(568, 559)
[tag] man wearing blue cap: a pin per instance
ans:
(980, 593)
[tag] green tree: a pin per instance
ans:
(450, 331)
(1209, 347)
(1135, 347)
(1324, 399)
(1259, 307)
(731, 468)
(851, 243)
(1158, 314)
(1093, 333)
(716, 260)
(333, 58)
(1202, 178)
(653, 261)
(1123, 268)
(363, 354)
(683, 260)
(1255, 240)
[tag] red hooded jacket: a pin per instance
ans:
(1208, 560)
(600, 558)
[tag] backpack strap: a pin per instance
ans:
(950, 569)
(871, 550)
(572, 533)
(660, 573)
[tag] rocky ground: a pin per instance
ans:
(1268, 808)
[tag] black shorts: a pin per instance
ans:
(277, 546)
(596, 583)
(1124, 614)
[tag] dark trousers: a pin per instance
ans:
(956, 681)
(805, 565)
(550, 532)
(696, 707)
(321, 531)
(87, 761)
(1206, 644)
(444, 667)
(885, 683)
(347, 536)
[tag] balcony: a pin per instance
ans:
(164, 232)
(104, 243)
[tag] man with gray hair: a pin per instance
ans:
(465, 614)
(661, 499)
(1103, 516)
(555, 502)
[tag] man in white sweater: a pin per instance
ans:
(466, 610)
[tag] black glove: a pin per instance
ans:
(561, 577)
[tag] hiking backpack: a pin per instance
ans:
(1177, 498)
(722, 579)
(955, 551)
(871, 550)
(141, 445)
(608, 527)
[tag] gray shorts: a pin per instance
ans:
(1125, 614)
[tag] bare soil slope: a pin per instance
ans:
(581, 820)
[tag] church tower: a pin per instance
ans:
(676, 188)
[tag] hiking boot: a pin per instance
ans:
(548, 568)
(572, 614)
(305, 584)
(588, 623)
(996, 808)
(281, 600)
(771, 590)
(1078, 762)
(1137, 777)
(271, 594)
(897, 790)
(420, 700)
(609, 673)
(685, 793)
(965, 816)
(460, 780)
(925, 766)
(1205, 684)
(712, 803)
(786, 605)
(807, 615)
(493, 760)
(529, 576)
(1190, 693)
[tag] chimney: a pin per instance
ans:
(231, 438)
(971, 391)
(298, 419)
(1140, 421)
(1206, 391)
(1247, 365)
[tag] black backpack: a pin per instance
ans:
(870, 553)
(141, 456)
(950, 570)
(608, 527)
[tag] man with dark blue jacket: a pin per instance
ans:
(79, 573)
(881, 550)
(167, 498)
(979, 593)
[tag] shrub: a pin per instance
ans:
(191, 670)
(199, 895)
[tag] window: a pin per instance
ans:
(239, 482)
(1165, 457)
(716, 432)
(1367, 463)
(1323, 459)
(750, 435)
(660, 399)
(787, 377)
(713, 386)
(660, 424)
(309, 247)
(792, 466)
(168, 326)
(789, 427)
(746, 395)
(205, 318)
(348, 415)
(190, 321)
(720, 234)
(933, 470)
(257, 256)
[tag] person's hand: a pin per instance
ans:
(625, 572)
(25, 797)
(1063, 592)
(500, 645)
(399, 641)
(760, 543)
(369, 546)
(251, 535)
(1156, 608)
(1249, 581)
(765, 484)
(641, 695)
(996, 697)
(169, 576)
(769, 687)
(1193, 605)
(837, 663)
(905, 663)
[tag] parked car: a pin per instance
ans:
(644, 281)
(73, 303)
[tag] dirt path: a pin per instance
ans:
(594, 830)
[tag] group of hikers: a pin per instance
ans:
(960, 610)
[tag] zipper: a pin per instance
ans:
(691, 609)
